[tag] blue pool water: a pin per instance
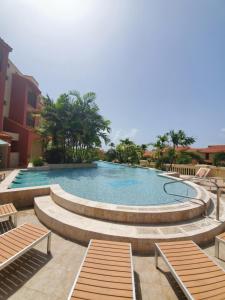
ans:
(110, 183)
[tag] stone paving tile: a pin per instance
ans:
(37, 276)
(25, 294)
(154, 284)
(144, 230)
(170, 230)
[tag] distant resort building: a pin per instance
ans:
(20, 101)
(207, 154)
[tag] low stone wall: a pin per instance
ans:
(217, 172)
(23, 197)
(61, 166)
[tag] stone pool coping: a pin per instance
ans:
(132, 214)
(24, 197)
(47, 167)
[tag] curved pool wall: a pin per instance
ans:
(149, 214)
(110, 183)
(155, 214)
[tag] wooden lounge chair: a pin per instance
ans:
(196, 273)
(201, 175)
(106, 273)
(9, 210)
(219, 239)
(17, 241)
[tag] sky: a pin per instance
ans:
(155, 65)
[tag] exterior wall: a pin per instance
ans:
(208, 157)
(19, 99)
(211, 157)
(36, 147)
(19, 102)
(14, 159)
(22, 145)
(12, 69)
(28, 145)
(4, 52)
(17, 111)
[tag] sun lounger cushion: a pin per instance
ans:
(106, 273)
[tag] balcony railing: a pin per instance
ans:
(181, 169)
(190, 170)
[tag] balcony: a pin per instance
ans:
(32, 99)
(30, 121)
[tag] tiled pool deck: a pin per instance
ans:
(37, 276)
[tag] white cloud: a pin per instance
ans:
(222, 133)
(123, 134)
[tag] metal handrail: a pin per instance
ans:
(188, 197)
(218, 193)
(192, 178)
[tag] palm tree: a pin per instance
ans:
(144, 147)
(160, 145)
(74, 125)
(127, 141)
(178, 138)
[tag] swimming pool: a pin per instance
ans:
(110, 183)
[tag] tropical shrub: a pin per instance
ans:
(54, 156)
(184, 158)
(196, 157)
(219, 159)
(37, 162)
(128, 152)
(110, 155)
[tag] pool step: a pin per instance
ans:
(82, 229)
(178, 212)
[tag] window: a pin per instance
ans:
(32, 99)
(30, 120)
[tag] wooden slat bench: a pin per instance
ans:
(196, 273)
(106, 273)
(17, 241)
(8, 210)
(219, 239)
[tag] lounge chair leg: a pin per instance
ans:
(216, 248)
(15, 220)
(49, 244)
(156, 257)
